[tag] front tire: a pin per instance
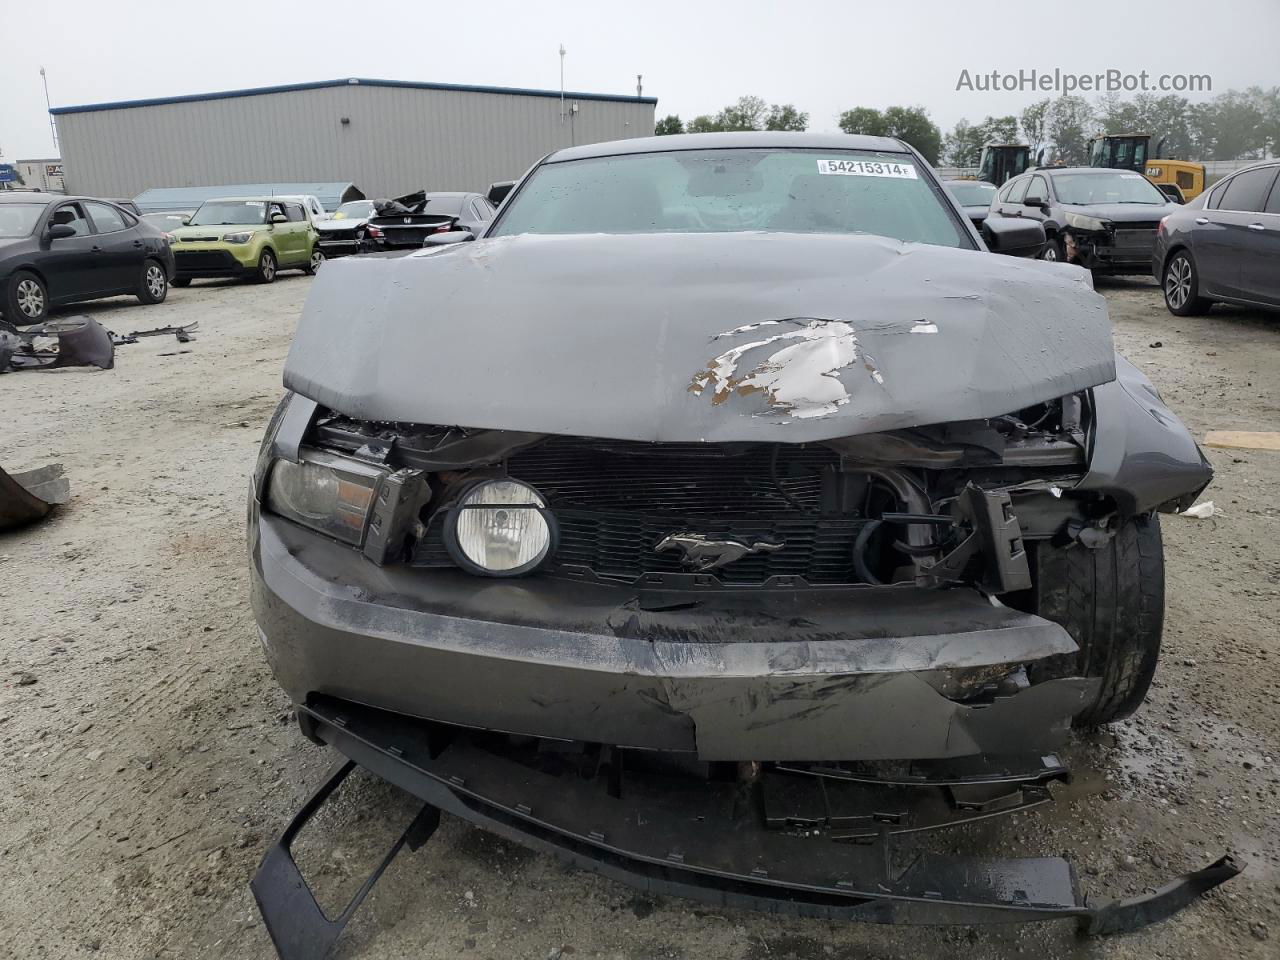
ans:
(266, 272)
(153, 285)
(27, 300)
(1111, 600)
(317, 261)
(1181, 285)
(1054, 251)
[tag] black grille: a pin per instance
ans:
(196, 261)
(615, 501)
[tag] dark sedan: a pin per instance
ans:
(406, 222)
(974, 197)
(1224, 245)
(57, 250)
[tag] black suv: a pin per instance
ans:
(1102, 219)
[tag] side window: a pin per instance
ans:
(1273, 202)
(105, 219)
(1247, 192)
(480, 210)
(275, 208)
(72, 216)
(1215, 197)
(1006, 190)
(1037, 192)
(294, 212)
(1019, 190)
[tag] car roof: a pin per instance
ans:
(22, 196)
(244, 199)
(723, 141)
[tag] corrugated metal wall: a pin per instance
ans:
(398, 139)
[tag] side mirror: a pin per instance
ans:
(278, 218)
(60, 231)
(498, 191)
(1172, 192)
(1013, 238)
(186, 221)
(450, 236)
(1038, 202)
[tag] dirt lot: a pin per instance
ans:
(146, 756)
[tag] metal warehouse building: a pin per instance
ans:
(387, 137)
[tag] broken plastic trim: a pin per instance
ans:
(30, 496)
(660, 845)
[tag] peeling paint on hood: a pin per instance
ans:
(687, 337)
(801, 379)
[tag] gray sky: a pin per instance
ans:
(822, 56)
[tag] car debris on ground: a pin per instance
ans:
(31, 495)
(78, 342)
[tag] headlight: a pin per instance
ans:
(329, 494)
(1081, 222)
(500, 528)
(238, 237)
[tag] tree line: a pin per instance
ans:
(1236, 125)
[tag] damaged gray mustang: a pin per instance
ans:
(725, 518)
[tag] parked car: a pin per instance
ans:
(168, 222)
(251, 237)
(127, 205)
(1102, 219)
(711, 471)
(406, 222)
(346, 231)
(56, 250)
(1224, 245)
(311, 204)
(974, 196)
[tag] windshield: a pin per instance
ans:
(354, 210)
(227, 212)
(1091, 188)
(798, 191)
(19, 219)
(971, 194)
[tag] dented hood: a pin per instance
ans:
(687, 337)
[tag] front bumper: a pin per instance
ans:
(1106, 254)
(841, 674)
(215, 260)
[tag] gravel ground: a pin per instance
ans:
(147, 757)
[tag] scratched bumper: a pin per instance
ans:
(874, 673)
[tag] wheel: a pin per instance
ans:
(1111, 600)
(266, 267)
(317, 261)
(1053, 251)
(153, 285)
(28, 300)
(180, 282)
(1182, 286)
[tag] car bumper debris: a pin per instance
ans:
(30, 496)
(78, 342)
(813, 841)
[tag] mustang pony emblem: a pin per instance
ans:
(702, 553)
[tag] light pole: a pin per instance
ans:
(53, 129)
(562, 83)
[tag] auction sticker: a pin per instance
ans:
(868, 168)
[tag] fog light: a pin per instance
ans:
(500, 528)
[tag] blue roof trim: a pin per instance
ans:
(348, 81)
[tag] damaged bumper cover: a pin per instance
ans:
(708, 843)
(873, 673)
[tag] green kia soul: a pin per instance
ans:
(251, 237)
